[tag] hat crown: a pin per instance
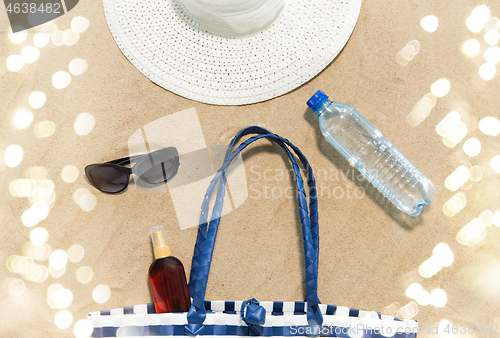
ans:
(233, 18)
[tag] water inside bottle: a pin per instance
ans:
(376, 158)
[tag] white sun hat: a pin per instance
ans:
(231, 52)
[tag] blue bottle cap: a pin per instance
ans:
(317, 100)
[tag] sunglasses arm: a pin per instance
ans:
(133, 159)
(126, 160)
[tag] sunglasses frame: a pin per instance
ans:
(137, 159)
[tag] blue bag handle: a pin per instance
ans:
(313, 204)
(206, 237)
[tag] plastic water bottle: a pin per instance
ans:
(375, 157)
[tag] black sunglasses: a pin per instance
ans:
(112, 177)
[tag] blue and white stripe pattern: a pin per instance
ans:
(223, 318)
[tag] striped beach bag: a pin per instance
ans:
(251, 317)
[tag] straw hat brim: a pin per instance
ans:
(174, 52)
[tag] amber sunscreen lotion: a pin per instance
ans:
(167, 277)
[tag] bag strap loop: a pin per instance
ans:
(313, 204)
(207, 233)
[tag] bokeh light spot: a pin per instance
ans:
(45, 129)
(56, 273)
(487, 217)
(78, 66)
(76, 253)
(30, 54)
(475, 173)
(478, 19)
(84, 274)
(63, 319)
(63, 298)
(471, 47)
(84, 124)
(23, 119)
(487, 71)
(37, 252)
(492, 37)
(58, 38)
(429, 267)
(37, 173)
(421, 110)
(38, 274)
(46, 187)
(495, 219)
(457, 134)
(409, 311)
(429, 23)
(71, 37)
(37, 100)
(39, 236)
(457, 178)
(61, 80)
(16, 287)
(13, 155)
(401, 60)
(443, 254)
(15, 63)
(495, 164)
(83, 328)
(29, 218)
(424, 298)
(58, 259)
(472, 147)
(101, 293)
(41, 39)
(88, 202)
(415, 44)
(21, 264)
(482, 13)
(414, 291)
(80, 24)
(472, 233)
(440, 88)
(438, 298)
(448, 143)
(51, 292)
(490, 126)
(491, 23)
(408, 52)
(474, 24)
(18, 37)
(448, 123)
(492, 55)
(22, 187)
(79, 193)
(70, 173)
(455, 204)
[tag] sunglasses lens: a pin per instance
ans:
(158, 167)
(109, 178)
